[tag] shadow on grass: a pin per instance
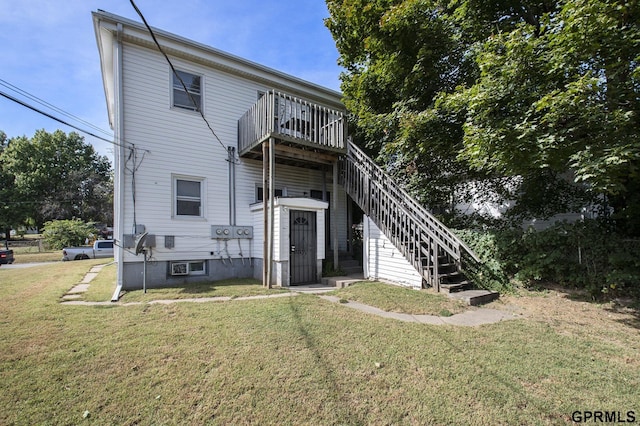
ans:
(336, 391)
(631, 312)
(629, 307)
(213, 286)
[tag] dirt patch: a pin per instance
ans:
(570, 312)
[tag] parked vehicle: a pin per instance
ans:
(6, 257)
(100, 249)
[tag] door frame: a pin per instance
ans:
(309, 261)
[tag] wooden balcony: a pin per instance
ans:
(306, 133)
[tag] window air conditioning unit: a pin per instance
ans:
(180, 268)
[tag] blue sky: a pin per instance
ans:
(48, 49)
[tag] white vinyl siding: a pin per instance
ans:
(383, 261)
(170, 145)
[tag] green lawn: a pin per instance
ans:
(293, 360)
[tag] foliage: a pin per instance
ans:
(67, 233)
(449, 92)
(561, 96)
(53, 176)
(491, 273)
(11, 208)
(585, 255)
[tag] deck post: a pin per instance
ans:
(265, 214)
(272, 177)
(334, 219)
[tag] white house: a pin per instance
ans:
(231, 169)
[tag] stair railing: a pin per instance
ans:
(417, 234)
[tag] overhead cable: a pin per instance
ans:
(51, 106)
(175, 73)
(59, 120)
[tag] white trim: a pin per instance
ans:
(172, 104)
(174, 197)
(187, 264)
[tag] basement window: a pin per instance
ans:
(188, 268)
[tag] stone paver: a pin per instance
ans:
(79, 288)
(89, 277)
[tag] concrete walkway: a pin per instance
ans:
(469, 318)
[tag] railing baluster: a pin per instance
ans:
(400, 217)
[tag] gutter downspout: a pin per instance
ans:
(119, 163)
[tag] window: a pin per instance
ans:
(188, 197)
(259, 193)
(105, 244)
(188, 268)
(192, 99)
(196, 268)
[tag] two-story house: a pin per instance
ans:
(226, 168)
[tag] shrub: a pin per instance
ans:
(65, 233)
(491, 273)
(585, 255)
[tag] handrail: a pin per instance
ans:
(280, 114)
(398, 197)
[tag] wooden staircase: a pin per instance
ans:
(434, 251)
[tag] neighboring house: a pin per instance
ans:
(269, 191)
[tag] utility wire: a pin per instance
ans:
(59, 120)
(51, 106)
(175, 73)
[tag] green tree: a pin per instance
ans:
(537, 93)
(12, 210)
(55, 176)
(563, 96)
(66, 233)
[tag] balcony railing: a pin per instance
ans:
(293, 120)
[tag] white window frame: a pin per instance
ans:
(202, 271)
(176, 85)
(175, 198)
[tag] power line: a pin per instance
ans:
(175, 73)
(59, 120)
(51, 106)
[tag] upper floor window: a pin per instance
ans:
(188, 201)
(191, 100)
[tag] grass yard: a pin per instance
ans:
(301, 360)
(402, 300)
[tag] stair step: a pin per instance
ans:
(348, 263)
(475, 297)
(452, 274)
(349, 270)
(343, 281)
(455, 287)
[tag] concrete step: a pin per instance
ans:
(475, 297)
(342, 281)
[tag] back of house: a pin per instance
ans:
(191, 135)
